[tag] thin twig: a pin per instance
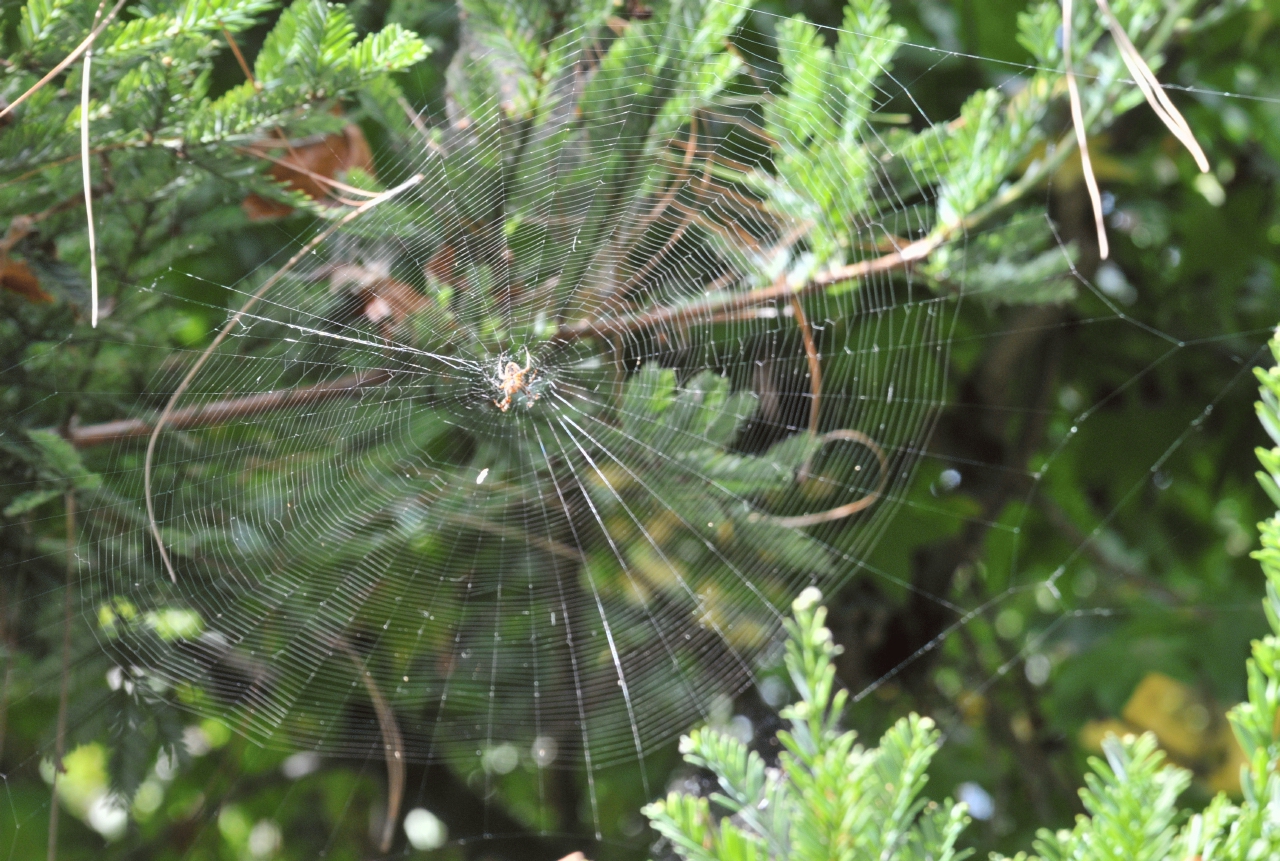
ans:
(221, 412)
(416, 120)
(235, 49)
(320, 178)
(839, 512)
(1082, 138)
(222, 336)
(900, 259)
(66, 61)
(392, 742)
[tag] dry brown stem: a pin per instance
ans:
(392, 744)
(1082, 137)
(815, 366)
(848, 509)
(228, 410)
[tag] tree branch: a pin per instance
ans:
(732, 301)
(230, 409)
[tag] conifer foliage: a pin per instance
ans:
(170, 152)
(829, 797)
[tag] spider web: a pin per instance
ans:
(546, 482)
(573, 480)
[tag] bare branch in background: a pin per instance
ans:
(228, 410)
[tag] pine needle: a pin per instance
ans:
(1082, 138)
(1151, 89)
(88, 179)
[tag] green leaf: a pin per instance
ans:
(31, 499)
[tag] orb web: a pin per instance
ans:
(537, 448)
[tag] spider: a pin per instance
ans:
(513, 380)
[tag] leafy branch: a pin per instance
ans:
(829, 797)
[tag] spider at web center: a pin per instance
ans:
(515, 383)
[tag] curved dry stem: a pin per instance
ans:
(815, 366)
(168, 410)
(88, 175)
(840, 511)
(321, 179)
(392, 744)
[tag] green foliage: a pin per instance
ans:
(1132, 801)
(169, 171)
(1132, 797)
(152, 110)
(1256, 721)
(167, 147)
(820, 122)
(828, 797)
(59, 470)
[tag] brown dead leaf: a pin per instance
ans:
(311, 168)
(441, 265)
(389, 300)
(17, 277)
(383, 300)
